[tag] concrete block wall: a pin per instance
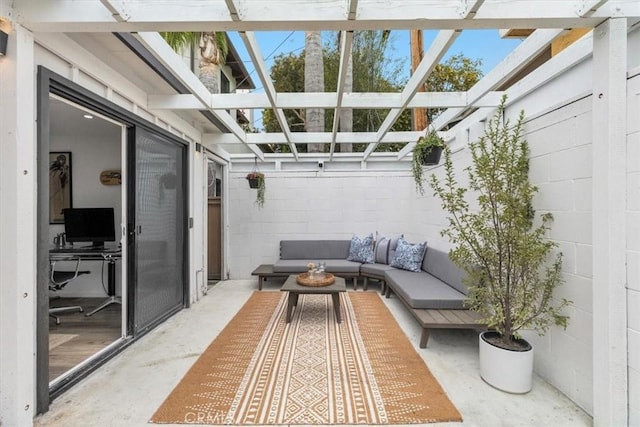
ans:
(560, 165)
(633, 248)
(316, 205)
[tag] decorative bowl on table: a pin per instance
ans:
(314, 279)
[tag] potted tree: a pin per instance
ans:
(257, 181)
(511, 267)
(427, 152)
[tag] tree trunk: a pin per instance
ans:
(209, 62)
(314, 82)
(346, 114)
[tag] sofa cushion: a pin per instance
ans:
(314, 250)
(424, 291)
(361, 250)
(375, 269)
(300, 265)
(408, 256)
(438, 263)
(385, 248)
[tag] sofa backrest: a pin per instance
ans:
(438, 264)
(314, 249)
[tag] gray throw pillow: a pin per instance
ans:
(361, 250)
(409, 257)
(385, 248)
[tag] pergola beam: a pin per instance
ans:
(346, 42)
(301, 15)
(436, 51)
(518, 59)
(163, 52)
(288, 100)
(314, 137)
(253, 49)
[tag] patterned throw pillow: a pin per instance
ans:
(361, 250)
(385, 248)
(409, 257)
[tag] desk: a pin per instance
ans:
(110, 254)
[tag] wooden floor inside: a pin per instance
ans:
(79, 337)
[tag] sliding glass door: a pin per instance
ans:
(157, 228)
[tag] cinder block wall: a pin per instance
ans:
(560, 144)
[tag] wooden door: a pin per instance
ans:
(214, 239)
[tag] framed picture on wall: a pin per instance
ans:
(59, 185)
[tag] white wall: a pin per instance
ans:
(326, 205)
(91, 155)
(560, 144)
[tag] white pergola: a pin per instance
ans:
(550, 18)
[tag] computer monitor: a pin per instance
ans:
(94, 225)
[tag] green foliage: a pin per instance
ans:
(511, 272)
(180, 40)
(262, 186)
(423, 148)
(458, 73)
(373, 71)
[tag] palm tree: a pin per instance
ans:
(314, 82)
(346, 114)
(213, 52)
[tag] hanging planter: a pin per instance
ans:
(427, 152)
(254, 179)
(257, 181)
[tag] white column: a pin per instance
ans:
(18, 176)
(609, 229)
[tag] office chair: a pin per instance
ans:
(57, 281)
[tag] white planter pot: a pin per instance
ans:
(506, 370)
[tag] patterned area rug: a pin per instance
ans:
(261, 370)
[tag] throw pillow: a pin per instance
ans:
(385, 248)
(409, 257)
(361, 250)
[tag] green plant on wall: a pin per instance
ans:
(430, 145)
(511, 270)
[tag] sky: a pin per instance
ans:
(485, 45)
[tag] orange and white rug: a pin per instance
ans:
(314, 371)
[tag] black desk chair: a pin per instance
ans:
(57, 281)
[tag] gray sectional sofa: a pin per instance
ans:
(435, 295)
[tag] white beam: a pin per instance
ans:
(253, 49)
(314, 137)
(589, 7)
(163, 52)
(288, 100)
(19, 228)
(346, 41)
(118, 11)
(469, 8)
(436, 51)
(300, 15)
(609, 231)
(513, 63)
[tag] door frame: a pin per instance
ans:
(49, 82)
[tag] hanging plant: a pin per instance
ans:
(257, 181)
(426, 152)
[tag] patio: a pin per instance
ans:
(581, 105)
(128, 390)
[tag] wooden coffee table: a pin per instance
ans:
(291, 286)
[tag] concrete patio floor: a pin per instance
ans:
(129, 388)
